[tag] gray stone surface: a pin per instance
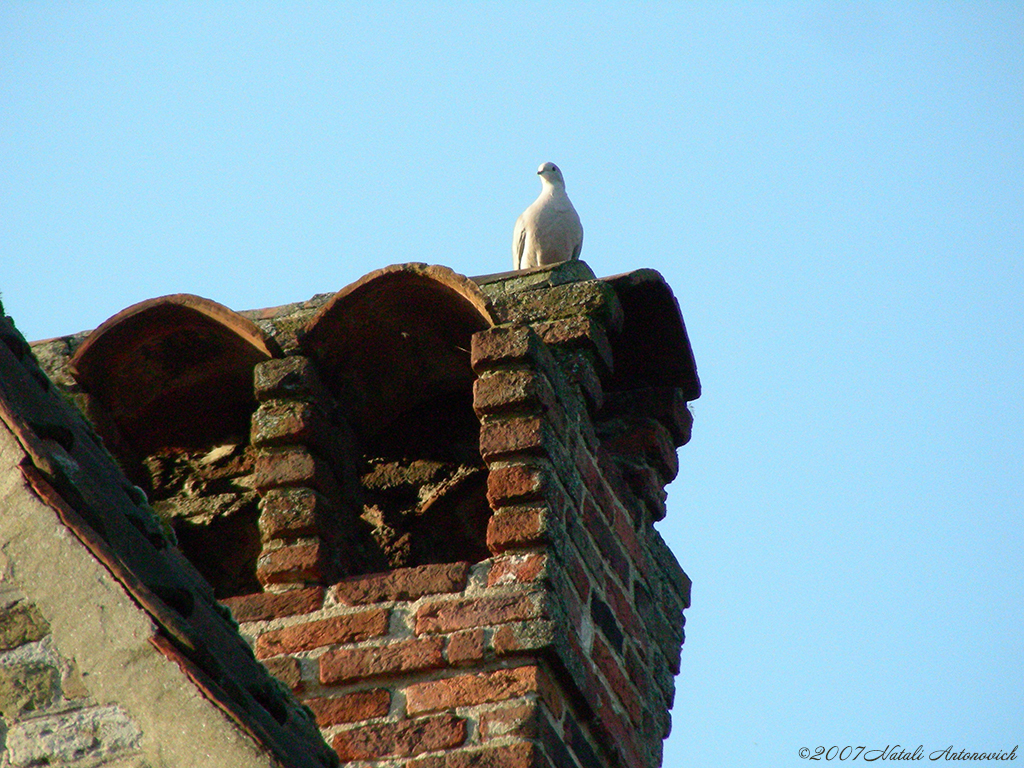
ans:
(71, 737)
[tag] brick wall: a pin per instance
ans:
(456, 485)
(555, 639)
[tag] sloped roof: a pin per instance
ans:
(117, 568)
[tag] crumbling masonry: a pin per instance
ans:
(428, 501)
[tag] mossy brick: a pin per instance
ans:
(592, 298)
(21, 623)
(507, 346)
(290, 378)
(519, 390)
(579, 332)
(283, 422)
(289, 513)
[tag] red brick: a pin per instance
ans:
(504, 390)
(519, 755)
(286, 669)
(350, 707)
(315, 634)
(514, 484)
(402, 584)
(294, 466)
(290, 563)
(467, 690)
(279, 422)
(580, 332)
(622, 607)
(611, 668)
(465, 647)
(271, 605)
(513, 527)
(289, 513)
(648, 441)
(518, 721)
(505, 344)
(347, 664)
(524, 434)
(404, 738)
(452, 615)
(523, 637)
(517, 569)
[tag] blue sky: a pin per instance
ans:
(834, 191)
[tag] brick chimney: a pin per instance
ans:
(453, 484)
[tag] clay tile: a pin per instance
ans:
(175, 370)
(652, 349)
(397, 338)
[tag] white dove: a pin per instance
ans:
(549, 230)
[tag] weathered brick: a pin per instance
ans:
(515, 527)
(605, 619)
(402, 584)
(292, 377)
(516, 483)
(503, 437)
(518, 755)
(403, 738)
(283, 422)
(513, 390)
(291, 563)
(286, 669)
(453, 615)
(348, 664)
(350, 707)
(517, 568)
(611, 668)
(519, 721)
(465, 647)
(336, 630)
(501, 345)
(666, 404)
(272, 605)
(622, 607)
(523, 637)
(288, 513)
(580, 332)
(471, 689)
(291, 467)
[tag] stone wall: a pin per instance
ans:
(48, 715)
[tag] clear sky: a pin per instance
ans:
(834, 191)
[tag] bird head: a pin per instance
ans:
(550, 174)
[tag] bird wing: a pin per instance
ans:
(518, 243)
